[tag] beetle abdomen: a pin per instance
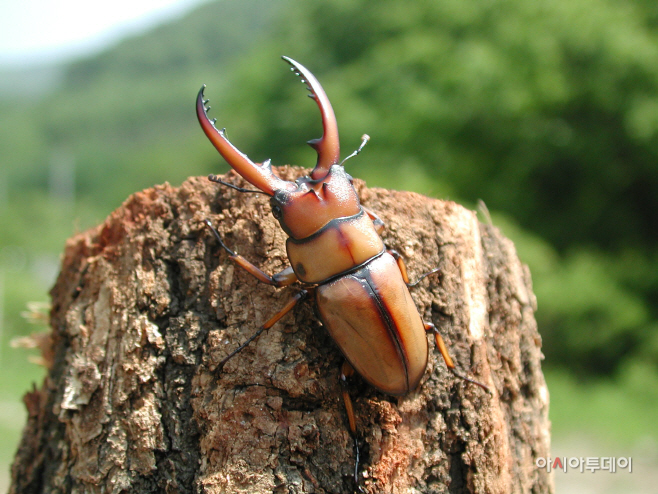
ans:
(339, 246)
(372, 318)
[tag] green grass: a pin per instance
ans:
(16, 378)
(617, 413)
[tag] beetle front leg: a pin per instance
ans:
(376, 220)
(347, 371)
(429, 327)
(281, 279)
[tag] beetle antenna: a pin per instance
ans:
(364, 140)
(217, 180)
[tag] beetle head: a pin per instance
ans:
(303, 206)
(314, 203)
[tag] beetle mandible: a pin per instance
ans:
(336, 252)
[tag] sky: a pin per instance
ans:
(34, 32)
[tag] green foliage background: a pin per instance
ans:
(547, 110)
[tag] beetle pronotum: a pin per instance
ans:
(335, 251)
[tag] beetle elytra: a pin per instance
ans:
(336, 252)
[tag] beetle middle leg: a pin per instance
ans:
(281, 279)
(403, 269)
(268, 324)
(440, 344)
(379, 228)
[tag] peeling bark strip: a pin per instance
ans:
(147, 305)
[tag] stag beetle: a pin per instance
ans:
(336, 252)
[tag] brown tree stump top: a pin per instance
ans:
(147, 304)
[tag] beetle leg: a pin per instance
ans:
(283, 278)
(270, 322)
(401, 265)
(403, 269)
(347, 371)
(429, 327)
(422, 276)
(376, 220)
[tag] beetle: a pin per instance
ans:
(336, 252)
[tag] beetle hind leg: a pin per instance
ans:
(429, 327)
(346, 371)
(379, 228)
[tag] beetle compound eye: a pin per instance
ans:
(277, 212)
(279, 197)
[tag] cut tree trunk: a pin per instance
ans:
(147, 304)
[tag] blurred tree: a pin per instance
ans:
(546, 110)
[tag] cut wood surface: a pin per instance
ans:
(147, 304)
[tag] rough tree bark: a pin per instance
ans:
(147, 304)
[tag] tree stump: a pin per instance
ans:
(147, 304)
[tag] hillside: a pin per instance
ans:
(547, 111)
